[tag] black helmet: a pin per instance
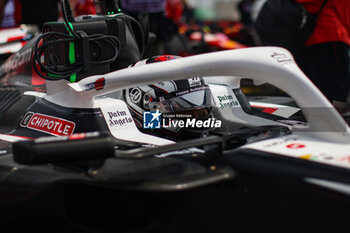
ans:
(181, 103)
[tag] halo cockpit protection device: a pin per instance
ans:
(176, 100)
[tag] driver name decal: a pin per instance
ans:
(48, 124)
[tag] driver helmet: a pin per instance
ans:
(186, 101)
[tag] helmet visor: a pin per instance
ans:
(183, 101)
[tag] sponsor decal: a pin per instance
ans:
(48, 124)
(318, 157)
(322, 156)
(306, 157)
(194, 82)
(135, 95)
(26, 119)
(307, 149)
(118, 118)
(295, 146)
(345, 159)
(282, 58)
(97, 85)
(89, 86)
(100, 83)
(224, 97)
(276, 142)
(194, 89)
(121, 124)
(227, 101)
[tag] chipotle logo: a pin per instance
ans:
(48, 124)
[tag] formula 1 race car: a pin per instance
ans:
(74, 159)
(13, 39)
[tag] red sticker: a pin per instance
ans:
(100, 83)
(51, 125)
(15, 38)
(295, 146)
(164, 58)
(266, 109)
(77, 136)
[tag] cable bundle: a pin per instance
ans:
(57, 70)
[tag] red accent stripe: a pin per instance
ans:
(161, 89)
(10, 39)
(77, 136)
(16, 136)
(266, 110)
